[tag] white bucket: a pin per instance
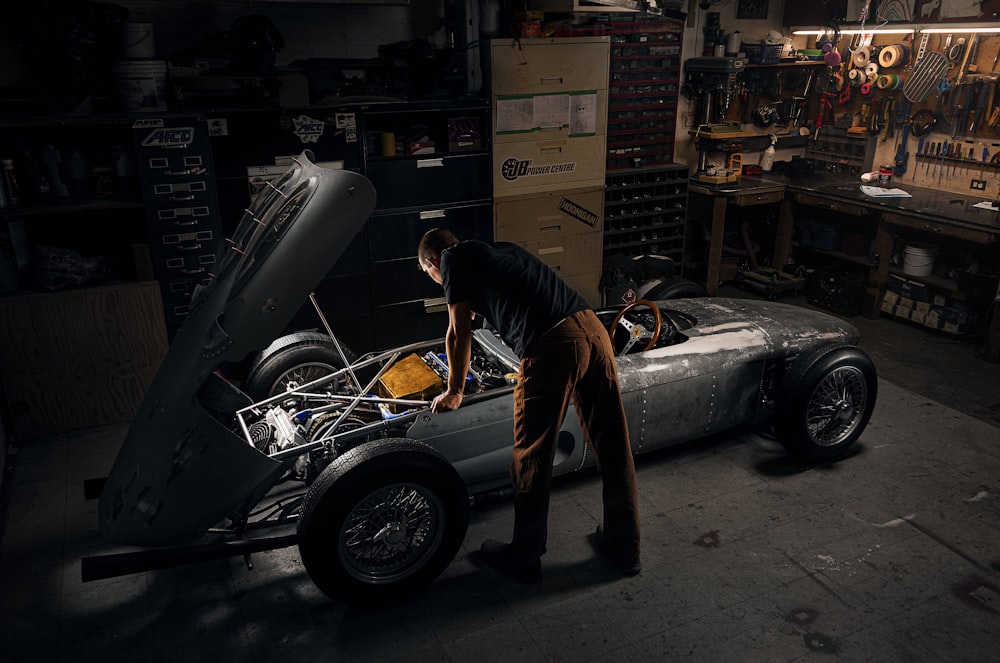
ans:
(142, 85)
(918, 259)
(137, 41)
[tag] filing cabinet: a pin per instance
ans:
(174, 163)
(430, 165)
(550, 106)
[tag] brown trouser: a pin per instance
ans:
(573, 360)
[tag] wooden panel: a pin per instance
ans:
(80, 358)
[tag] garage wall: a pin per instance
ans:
(310, 29)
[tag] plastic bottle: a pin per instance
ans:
(767, 160)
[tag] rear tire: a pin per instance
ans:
(673, 288)
(825, 401)
(382, 521)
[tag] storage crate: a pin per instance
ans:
(763, 53)
(834, 290)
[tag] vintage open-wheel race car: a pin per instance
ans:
(310, 445)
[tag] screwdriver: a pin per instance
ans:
(939, 164)
(920, 150)
(986, 155)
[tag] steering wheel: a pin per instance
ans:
(636, 332)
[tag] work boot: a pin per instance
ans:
(498, 556)
(627, 563)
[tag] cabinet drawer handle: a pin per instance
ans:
(827, 206)
(432, 214)
(552, 80)
(430, 163)
(550, 150)
(935, 229)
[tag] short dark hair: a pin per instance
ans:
(434, 242)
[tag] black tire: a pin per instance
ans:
(674, 288)
(300, 357)
(825, 401)
(382, 521)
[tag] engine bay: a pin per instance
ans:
(380, 394)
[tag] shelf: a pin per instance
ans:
(819, 63)
(838, 255)
(944, 284)
(69, 207)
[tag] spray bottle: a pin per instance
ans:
(767, 160)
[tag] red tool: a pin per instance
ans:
(824, 103)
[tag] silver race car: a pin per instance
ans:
(340, 455)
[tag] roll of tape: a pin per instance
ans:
(884, 82)
(871, 78)
(900, 79)
(890, 56)
(871, 69)
(866, 88)
(861, 57)
(898, 56)
(855, 77)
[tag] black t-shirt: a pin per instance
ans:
(516, 292)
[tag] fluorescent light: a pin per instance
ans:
(875, 31)
(960, 30)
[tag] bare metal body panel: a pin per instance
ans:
(179, 470)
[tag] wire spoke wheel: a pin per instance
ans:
(390, 532)
(835, 408)
(824, 401)
(382, 520)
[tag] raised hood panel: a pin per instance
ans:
(179, 470)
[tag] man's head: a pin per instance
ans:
(432, 245)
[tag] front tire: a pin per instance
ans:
(825, 401)
(293, 360)
(382, 521)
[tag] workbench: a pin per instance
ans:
(926, 214)
(747, 192)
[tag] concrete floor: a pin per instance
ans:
(890, 554)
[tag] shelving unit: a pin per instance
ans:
(643, 87)
(646, 213)
(841, 155)
(76, 352)
(430, 164)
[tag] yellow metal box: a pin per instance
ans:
(410, 378)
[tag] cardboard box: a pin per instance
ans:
(918, 316)
(905, 303)
(464, 133)
(933, 319)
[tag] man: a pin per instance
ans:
(565, 353)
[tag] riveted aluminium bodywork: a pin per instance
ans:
(189, 474)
